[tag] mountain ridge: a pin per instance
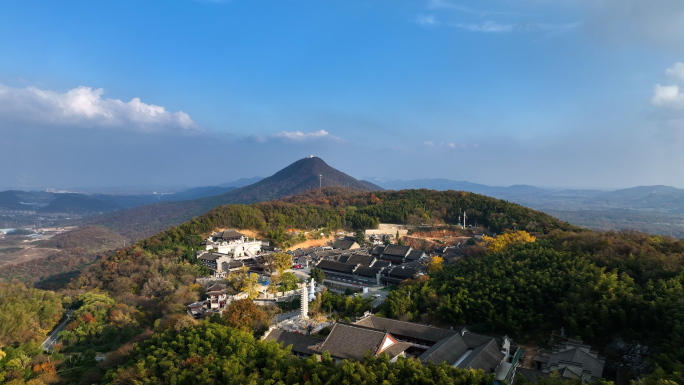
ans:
(298, 177)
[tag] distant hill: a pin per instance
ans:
(298, 177)
(87, 239)
(44, 202)
(197, 193)
(10, 200)
(242, 182)
(653, 209)
(64, 203)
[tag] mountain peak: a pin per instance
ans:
(302, 175)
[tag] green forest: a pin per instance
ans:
(215, 354)
(132, 302)
(578, 281)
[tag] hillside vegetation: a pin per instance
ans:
(90, 238)
(156, 273)
(300, 176)
(213, 353)
(598, 286)
(580, 281)
(27, 314)
(76, 250)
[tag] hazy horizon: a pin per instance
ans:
(566, 94)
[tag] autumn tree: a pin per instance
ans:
(503, 241)
(435, 264)
(237, 278)
(244, 314)
(278, 262)
(250, 285)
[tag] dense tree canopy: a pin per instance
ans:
(533, 288)
(100, 323)
(213, 353)
(27, 314)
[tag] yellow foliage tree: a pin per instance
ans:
(251, 285)
(503, 241)
(435, 264)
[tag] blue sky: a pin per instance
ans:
(551, 93)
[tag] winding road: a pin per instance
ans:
(52, 338)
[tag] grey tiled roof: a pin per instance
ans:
(228, 234)
(211, 257)
(367, 271)
(396, 349)
(347, 341)
(396, 250)
(300, 343)
(377, 250)
(415, 255)
(576, 358)
(357, 258)
(407, 329)
(217, 286)
(344, 243)
(485, 353)
(403, 272)
(530, 375)
(486, 357)
(336, 266)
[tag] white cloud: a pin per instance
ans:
(449, 145)
(668, 96)
(85, 107)
(444, 4)
(495, 27)
(426, 20)
(487, 26)
(676, 72)
(299, 136)
(669, 103)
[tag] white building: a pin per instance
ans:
(232, 243)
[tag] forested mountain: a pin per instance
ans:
(298, 177)
(651, 209)
(156, 275)
(597, 286)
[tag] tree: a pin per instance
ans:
(435, 264)
(273, 284)
(506, 240)
(278, 262)
(237, 278)
(360, 237)
(250, 285)
(288, 281)
(244, 314)
(318, 275)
